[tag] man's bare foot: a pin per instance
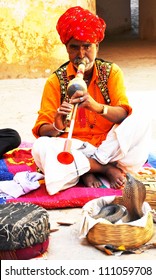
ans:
(91, 181)
(115, 176)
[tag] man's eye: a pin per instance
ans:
(87, 47)
(74, 47)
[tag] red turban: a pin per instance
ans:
(81, 25)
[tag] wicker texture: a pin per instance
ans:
(121, 234)
(147, 175)
(151, 198)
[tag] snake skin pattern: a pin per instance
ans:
(134, 194)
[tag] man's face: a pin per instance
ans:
(78, 49)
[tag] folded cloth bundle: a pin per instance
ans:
(22, 183)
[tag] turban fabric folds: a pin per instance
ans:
(82, 25)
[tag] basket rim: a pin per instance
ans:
(118, 234)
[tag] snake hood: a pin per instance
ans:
(134, 194)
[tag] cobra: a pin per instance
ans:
(134, 194)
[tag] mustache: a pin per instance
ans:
(84, 60)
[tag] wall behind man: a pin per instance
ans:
(29, 44)
(147, 19)
(117, 14)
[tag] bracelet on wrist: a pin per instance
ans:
(105, 110)
(59, 130)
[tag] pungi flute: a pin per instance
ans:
(66, 157)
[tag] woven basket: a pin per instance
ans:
(151, 198)
(121, 234)
(147, 176)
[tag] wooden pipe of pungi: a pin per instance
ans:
(75, 84)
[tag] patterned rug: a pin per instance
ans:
(21, 159)
(17, 160)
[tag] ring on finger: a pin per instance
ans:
(123, 180)
(81, 99)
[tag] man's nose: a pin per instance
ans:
(81, 52)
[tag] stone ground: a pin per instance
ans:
(20, 100)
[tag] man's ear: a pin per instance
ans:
(97, 47)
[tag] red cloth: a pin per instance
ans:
(73, 197)
(82, 25)
(25, 253)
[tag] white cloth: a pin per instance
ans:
(127, 143)
(59, 176)
(22, 183)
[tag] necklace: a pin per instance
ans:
(91, 125)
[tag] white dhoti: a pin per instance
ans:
(59, 176)
(127, 144)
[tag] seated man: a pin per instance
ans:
(9, 139)
(107, 138)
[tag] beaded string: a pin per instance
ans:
(103, 73)
(103, 68)
(91, 125)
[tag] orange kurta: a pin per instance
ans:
(84, 118)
